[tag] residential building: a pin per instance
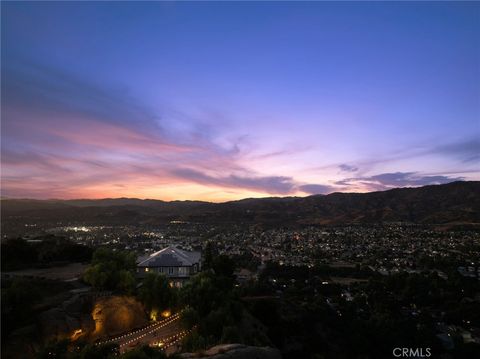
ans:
(176, 264)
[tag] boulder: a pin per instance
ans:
(117, 314)
(61, 322)
(92, 317)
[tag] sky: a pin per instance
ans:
(220, 101)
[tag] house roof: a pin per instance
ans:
(171, 257)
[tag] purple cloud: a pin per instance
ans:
(268, 184)
(61, 134)
(347, 168)
(467, 150)
(397, 179)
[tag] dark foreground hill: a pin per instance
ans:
(453, 203)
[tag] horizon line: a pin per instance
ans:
(2, 198)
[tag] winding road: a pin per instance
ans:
(164, 334)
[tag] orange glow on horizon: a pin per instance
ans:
(181, 192)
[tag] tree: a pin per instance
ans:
(58, 350)
(156, 293)
(144, 352)
(64, 349)
(201, 293)
(110, 270)
(230, 334)
(16, 254)
(104, 351)
(189, 317)
(194, 342)
(208, 257)
(18, 300)
(126, 281)
(224, 267)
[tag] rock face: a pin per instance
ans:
(117, 314)
(92, 317)
(84, 315)
(235, 351)
(72, 316)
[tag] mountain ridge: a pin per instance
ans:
(455, 202)
(4, 198)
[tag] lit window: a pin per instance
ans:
(147, 269)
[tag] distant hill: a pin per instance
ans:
(453, 203)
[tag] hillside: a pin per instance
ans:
(453, 203)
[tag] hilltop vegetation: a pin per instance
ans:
(45, 251)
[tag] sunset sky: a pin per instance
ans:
(220, 101)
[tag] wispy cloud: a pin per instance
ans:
(62, 135)
(397, 179)
(467, 150)
(40, 100)
(267, 184)
(347, 168)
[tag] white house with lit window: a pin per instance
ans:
(178, 265)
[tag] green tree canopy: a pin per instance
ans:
(112, 270)
(202, 294)
(144, 352)
(156, 293)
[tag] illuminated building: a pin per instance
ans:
(176, 264)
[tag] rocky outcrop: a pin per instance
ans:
(235, 351)
(117, 314)
(94, 317)
(73, 316)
